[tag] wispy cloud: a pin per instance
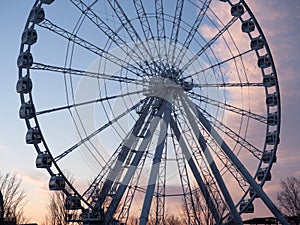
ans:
(3, 148)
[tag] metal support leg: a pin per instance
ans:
(156, 160)
(212, 164)
(194, 170)
(132, 138)
(133, 166)
(238, 163)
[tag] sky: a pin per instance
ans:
(280, 22)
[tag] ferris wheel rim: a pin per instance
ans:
(29, 126)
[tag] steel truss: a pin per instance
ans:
(161, 92)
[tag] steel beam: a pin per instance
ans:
(156, 160)
(260, 193)
(212, 164)
(133, 165)
(194, 170)
(128, 143)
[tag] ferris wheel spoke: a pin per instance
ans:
(113, 35)
(194, 29)
(227, 164)
(213, 66)
(230, 84)
(160, 21)
(257, 153)
(47, 24)
(195, 171)
(203, 166)
(108, 98)
(87, 138)
(209, 43)
(175, 30)
(161, 31)
(148, 33)
(82, 73)
(130, 29)
(140, 11)
(212, 164)
(238, 163)
(95, 19)
(229, 107)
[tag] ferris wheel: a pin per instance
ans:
(149, 104)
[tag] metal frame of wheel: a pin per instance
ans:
(183, 89)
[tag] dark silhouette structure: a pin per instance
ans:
(293, 220)
(1, 209)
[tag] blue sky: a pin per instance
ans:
(281, 24)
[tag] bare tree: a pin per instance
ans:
(202, 213)
(133, 221)
(56, 209)
(289, 196)
(14, 198)
(169, 220)
(173, 220)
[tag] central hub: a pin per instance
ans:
(171, 73)
(166, 78)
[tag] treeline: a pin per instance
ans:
(14, 200)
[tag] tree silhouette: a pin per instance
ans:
(14, 198)
(289, 196)
(56, 209)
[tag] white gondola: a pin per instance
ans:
(272, 119)
(48, 2)
(237, 10)
(24, 85)
(72, 203)
(269, 80)
(56, 183)
(26, 111)
(261, 174)
(37, 15)
(249, 209)
(248, 26)
(43, 160)
(267, 157)
(33, 136)
(25, 60)
(257, 43)
(271, 137)
(29, 36)
(187, 86)
(264, 62)
(272, 99)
